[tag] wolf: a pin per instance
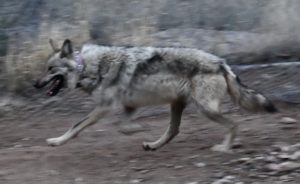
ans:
(133, 77)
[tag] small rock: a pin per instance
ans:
(53, 172)
(259, 158)
(144, 171)
(225, 180)
(282, 147)
(168, 165)
(18, 146)
(178, 167)
(131, 129)
(200, 164)
(287, 120)
(132, 161)
(137, 168)
(229, 177)
(193, 182)
(295, 156)
(262, 176)
(219, 175)
(295, 146)
(135, 181)
(285, 166)
(284, 156)
(270, 159)
(193, 156)
(288, 127)
(275, 152)
(100, 130)
(237, 144)
(285, 177)
(244, 160)
(78, 180)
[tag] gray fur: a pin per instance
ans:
(136, 77)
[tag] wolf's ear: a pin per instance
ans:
(66, 49)
(53, 45)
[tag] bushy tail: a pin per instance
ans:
(245, 97)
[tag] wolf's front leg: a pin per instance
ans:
(177, 108)
(89, 120)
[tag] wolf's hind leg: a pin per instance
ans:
(208, 96)
(211, 111)
(226, 145)
(177, 108)
(89, 120)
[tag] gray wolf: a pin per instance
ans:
(134, 77)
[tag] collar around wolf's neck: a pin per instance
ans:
(79, 61)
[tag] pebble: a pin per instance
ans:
(193, 156)
(100, 130)
(285, 177)
(200, 164)
(131, 129)
(295, 156)
(193, 182)
(18, 146)
(135, 181)
(168, 165)
(144, 171)
(225, 180)
(287, 120)
(140, 180)
(237, 144)
(78, 180)
(219, 175)
(284, 156)
(244, 160)
(295, 146)
(259, 158)
(285, 166)
(53, 172)
(270, 159)
(178, 167)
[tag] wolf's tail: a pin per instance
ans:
(245, 97)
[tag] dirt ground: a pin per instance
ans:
(103, 155)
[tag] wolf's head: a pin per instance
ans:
(61, 69)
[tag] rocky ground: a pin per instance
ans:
(267, 149)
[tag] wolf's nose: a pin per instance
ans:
(78, 85)
(36, 84)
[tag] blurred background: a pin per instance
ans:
(259, 38)
(241, 31)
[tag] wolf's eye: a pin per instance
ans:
(50, 68)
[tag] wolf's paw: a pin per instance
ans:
(221, 148)
(53, 142)
(147, 147)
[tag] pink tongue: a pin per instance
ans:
(50, 93)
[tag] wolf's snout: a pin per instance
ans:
(36, 84)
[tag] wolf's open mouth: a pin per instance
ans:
(57, 84)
